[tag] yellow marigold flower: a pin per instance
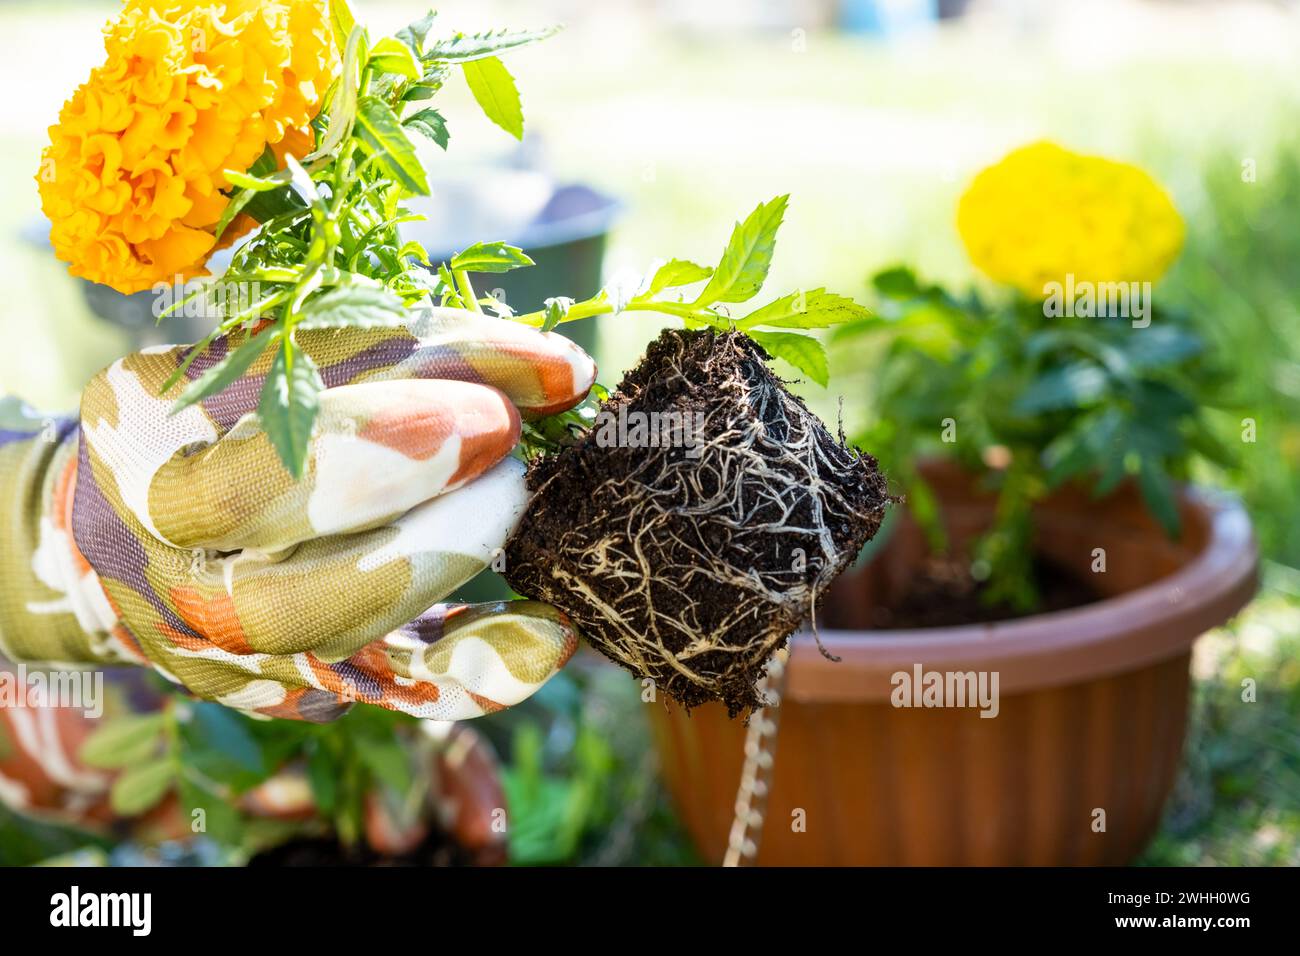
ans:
(132, 180)
(1043, 212)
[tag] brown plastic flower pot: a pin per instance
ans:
(1092, 708)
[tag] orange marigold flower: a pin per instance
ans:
(133, 178)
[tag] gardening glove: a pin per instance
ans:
(180, 541)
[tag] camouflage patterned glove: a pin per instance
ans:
(182, 542)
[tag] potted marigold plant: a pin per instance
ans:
(268, 517)
(1050, 558)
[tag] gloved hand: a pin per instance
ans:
(181, 541)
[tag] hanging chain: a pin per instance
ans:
(756, 772)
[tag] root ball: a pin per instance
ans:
(692, 547)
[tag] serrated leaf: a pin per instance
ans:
(676, 272)
(122, 742)
(141, 787)
(464, 47)
(391, 55)
(381, 133)
(817, 309)
(219, 376)
(554, 310)
(289, 403)
(748, 256)
(429, 123)
(417, 31)
(353, 306)
(490, 257)
(802, 351)
(495, 91)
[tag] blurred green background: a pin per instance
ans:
(691, 114)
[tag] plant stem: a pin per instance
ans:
(466, 290)
(592, 307)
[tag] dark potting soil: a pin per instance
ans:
(436, 850)
(943, 593)
(690, 562)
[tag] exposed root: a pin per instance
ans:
(692, 564)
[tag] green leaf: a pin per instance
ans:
(802, 351)
(1158, 493)
(139, 788)
(555, 310)
(1091, 440)
(302, 182)
(323, 774)
(342, 23)
(289, 403)
(449, 294)
(435, 75)
(231, 367)
(258, 184)
(748, 256)
(381, 134)
(413, 249)
(122, 742)
(391, 55)
(415, 32)
(817, 309)
(250, 185)
(386, 759)
(429, 123)
(353, 306)
(464, 47)
(1159, 345)
(343, 106)
(1070, 386)
(494, 89)
(221, 821)
(1114, 472)
(490, 257)
(676, 272)
(221, 729)
(896, 283)
(233, 209)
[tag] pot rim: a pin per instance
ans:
(1152, 623)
